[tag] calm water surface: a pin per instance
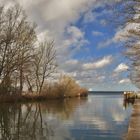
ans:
(98, 117)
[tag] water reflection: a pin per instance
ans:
(30, 121)
(128, 103)
(96, 117)
(102, 117)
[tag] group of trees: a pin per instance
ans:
(128, 17)
(24, 61)
(133, 43)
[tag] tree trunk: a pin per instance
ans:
(21, 80)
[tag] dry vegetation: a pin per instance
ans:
(130, 23)
(28, 63)
(65, 87)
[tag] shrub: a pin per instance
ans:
(65, 87)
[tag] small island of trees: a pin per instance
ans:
(26, 64)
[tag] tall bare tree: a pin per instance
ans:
(44, 64)
(22, 61)
(17, 37)
(133, 41)
(128, 14)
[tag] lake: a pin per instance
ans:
(100, 116)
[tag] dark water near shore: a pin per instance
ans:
(98, 117)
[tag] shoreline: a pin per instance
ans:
(34, 98)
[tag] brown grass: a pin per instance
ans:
(36, 97)
(66, 87)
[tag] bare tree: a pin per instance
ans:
(128, 13)
(133, 42)
(22, 61)
(17, 37)
(44, 63)
(67, 86)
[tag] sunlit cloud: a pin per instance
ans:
(126, 80)
(65, 22)
(121, 68)
(99, 63)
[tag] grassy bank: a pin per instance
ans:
(65, 87)
(35, 97)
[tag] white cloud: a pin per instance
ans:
(121, 67)
(99, 64)
(121, 35)
(105, 43)
(101, 78)
(123, 81)
(72, 62)
(97, 33)
(75, 37)
(89, 17)
(75, 32)
(72, 74)
(56, 20)
(45, 35)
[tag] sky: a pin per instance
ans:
(88, 44)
